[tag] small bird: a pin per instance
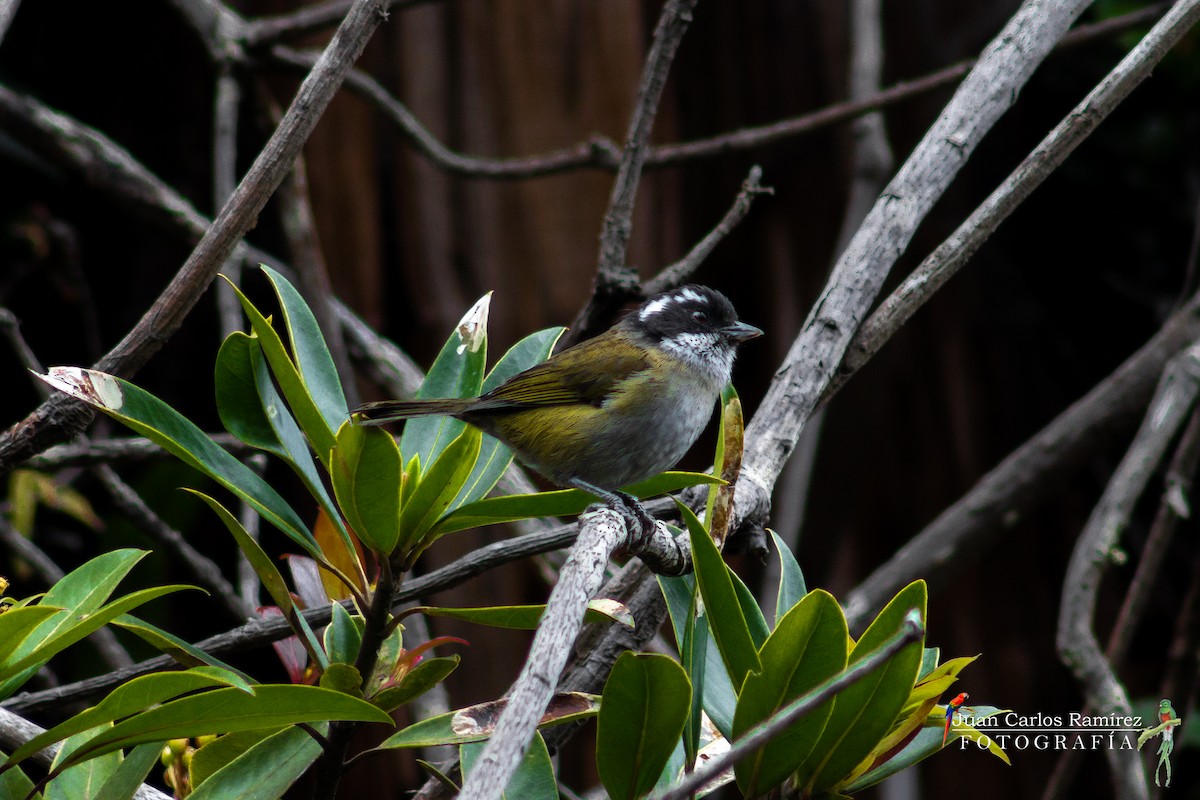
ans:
(615, 409)
(951, 708)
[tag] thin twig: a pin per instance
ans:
(600, 152)
(8, 10)
(1029, 475)
(309, 19)
(171, 541)
(61, 417)
(616, 282)
(227, 100)
(681, 271)
(1077, 644)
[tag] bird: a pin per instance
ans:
(951, 709)
(612, 410)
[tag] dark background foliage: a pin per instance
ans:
(1078, 278)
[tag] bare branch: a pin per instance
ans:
(581, 577)
(1077, 644)
(680, 272)
(1029, 475)
(616, 282)
(59, 418)
(985, 94)
(309, 19)
(1053, 150)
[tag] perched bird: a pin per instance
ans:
(615, 409)
(952, 707)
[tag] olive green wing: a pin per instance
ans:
(587, 373)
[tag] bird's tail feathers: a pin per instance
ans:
(387, 411)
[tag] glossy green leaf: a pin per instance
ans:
(475, 723)
(14, 783)
(729, 627)
(533, 778)
(864, 712)
(494, 457)
(693, 652)
(252, 410)
(127, 779)
(719, 697)
(226, 710)
(423, 677)
(184, 653)
(145, 414)
(263, 769)
(310, 353)
(18, 623)
(297, 394)
(221, 750)
(756, 623)
(366, 473)
(129, 698)
(808, 646)
(456, 372)
(560, 503)
(791, 580)
(343, 635)
(646, 701)
(526, 618)
(236, 387)
(438, 487)
(78, 627)
(84, 779)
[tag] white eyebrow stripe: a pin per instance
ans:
(652, 308)
(689, 293)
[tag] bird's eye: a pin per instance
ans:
(699, 316)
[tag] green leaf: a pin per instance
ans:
(291, 383)
(927, 742)
(263, 770)
(526, 618)
(252, 410)
(456, 372)
(719, 697)
(534, 777)
(560, 503)
(646, 701)
(18, 623)
(227, 710)
(756, 623)
(791, 580)
(808, 646)
(366, 473)
(183, 652)
(129, 698)
(438, 487)
(14, 783)
(84, 779)
(128, 777)
(312, 356)
(423, 677)
(494, 457)
(343, 635)
(729, 627)
(145, 414)
(864, 712)
(78, 627)
(475, 723)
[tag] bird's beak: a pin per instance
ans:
(741, 332)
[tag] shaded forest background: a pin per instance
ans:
(1080, 276)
